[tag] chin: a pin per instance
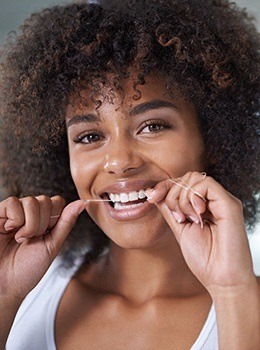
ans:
(136, 236)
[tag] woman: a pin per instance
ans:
(147, 112)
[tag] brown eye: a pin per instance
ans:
(88, 138)
(153, 126)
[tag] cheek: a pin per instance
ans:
(83, 172)
(180, 155)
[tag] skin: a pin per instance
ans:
(155, 286)
(129, 151)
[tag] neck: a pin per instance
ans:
(140, 275)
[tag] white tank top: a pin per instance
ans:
(33, 327)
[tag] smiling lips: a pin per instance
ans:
(128, 199)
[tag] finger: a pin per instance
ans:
(220, 203)
(45, 205)
(170, 190)
(31, 210)
(169, 217)
(172, 200)
(177, 199)
(159, 192)
(163, 188)
(58, 204)
(60, 231)
(11, 215)
(177, 213)
(187, 209)
(198, 204)
(186, 195)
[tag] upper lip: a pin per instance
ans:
(127, 186)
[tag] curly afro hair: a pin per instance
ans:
(207, 49)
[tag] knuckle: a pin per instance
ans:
(168, 185)
(45, 203)
(188, 174)
(59, 199)
(30, 201)
(43, 198)
(10, 201)
(210, 179)
(197, 174)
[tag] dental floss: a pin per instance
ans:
(192, 190)
(186, 187)
(87, 201)
(97, 200)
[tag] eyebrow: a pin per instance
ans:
(141, 108)
(88, 118)
(154, 104)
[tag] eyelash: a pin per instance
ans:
(162, 125)
(80, 138)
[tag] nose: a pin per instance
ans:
(121, 160)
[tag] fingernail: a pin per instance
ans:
(21, 239)
(194, 219)
(177, 216)
(9, 228)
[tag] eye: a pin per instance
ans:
(88, 138)
(154, 126)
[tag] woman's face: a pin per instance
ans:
(126, 147)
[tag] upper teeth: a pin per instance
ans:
(127, 197)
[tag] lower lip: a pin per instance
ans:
(128, 213)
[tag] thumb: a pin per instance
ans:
(169, 218)
(61, 230)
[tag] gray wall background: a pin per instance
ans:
(13, 12)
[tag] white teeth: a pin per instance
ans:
(124, 198)
(133, 196)
(127, 197)
(117, 198)
(112, 197)
(141, 194)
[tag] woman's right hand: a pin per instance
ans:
(32, 230)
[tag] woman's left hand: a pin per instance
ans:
(211, 233)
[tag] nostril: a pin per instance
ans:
(122, 161)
